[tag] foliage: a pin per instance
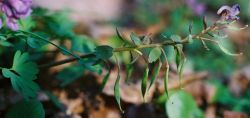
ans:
(182, 104)
(43, 28)
(26, 109)
(22, 75)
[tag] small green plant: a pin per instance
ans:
(24, 71)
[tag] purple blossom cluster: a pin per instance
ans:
(198, 8)
(15, 10)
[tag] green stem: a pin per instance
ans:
(122, 49)
(71, 59)
(47, 41)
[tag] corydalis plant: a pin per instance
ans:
(15, 10)
(137, 44)
(23, 72)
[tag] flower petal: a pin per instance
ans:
(224, 9)
(1, 23)
(7, 10)
(19, 6)
(235, 10)
(12, 24)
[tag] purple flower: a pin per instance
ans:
(198, 8)
(15, 10)
(229, 13)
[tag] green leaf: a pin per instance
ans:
(154, 54)
(129, 71)
(223, 95)
(56, 26)
(190, 39)
(144, 82)
(180, 61)
(182, 104)
(119, 35)
(82, 44)
(228, 52)
(177, 57)
(5, 43)
(134, 56)
(166, 73)
(117, 91)
(70, 74)
(136, 40)
(34, 43)
(155, 74)
(204, 21)
(22, 75)
(175, 38)
(105, 80)
(190, 28)
(104, 52)
(26, 109)
(145, 39)
(27, 23)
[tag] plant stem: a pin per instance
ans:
(71, 59)
(47, 41)
(122, 49)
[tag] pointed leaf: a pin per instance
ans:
(119, 35)
(204, 21)
(129, 71)
(166, 73)
(190, 28)
(154, 54)
(155, 74)
(117, 92)
(228, 52)
(180, 60)
(136, 40)
(144, 82)
(105, 80)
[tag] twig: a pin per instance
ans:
(132, 48)
(71, 59)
